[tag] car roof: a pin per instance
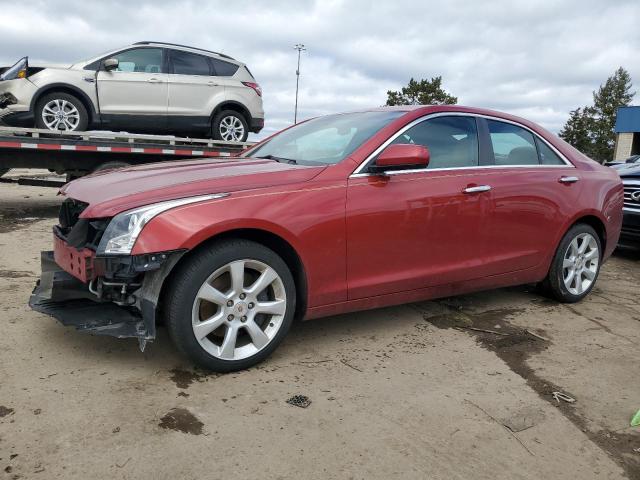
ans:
(420, 110)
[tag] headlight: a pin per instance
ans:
(123, 230)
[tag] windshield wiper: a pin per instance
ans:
(280, 159)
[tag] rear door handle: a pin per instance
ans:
(568, 179)
(154, 80)
(477, 189)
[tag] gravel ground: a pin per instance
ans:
(452, 389)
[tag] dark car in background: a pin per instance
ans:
(630, 175)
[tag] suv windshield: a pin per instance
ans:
(12, 72)
(325, 140)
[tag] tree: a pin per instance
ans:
(577, 130)
(591, 129)
(424, 92)
(616, 92)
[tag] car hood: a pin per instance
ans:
(629, 171)
(111, 192)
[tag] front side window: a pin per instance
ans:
(185, 63)
(140, 60)
(452, 141)
(512, 145)
(324, 140)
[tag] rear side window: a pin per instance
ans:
(512, 145)
(224, 69)
(186, 63)
(452, 141)
(140, 60)
(547, 156)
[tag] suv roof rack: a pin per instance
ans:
(147, 42)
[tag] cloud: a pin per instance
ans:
(536, 59)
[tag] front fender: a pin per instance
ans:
(311, 220)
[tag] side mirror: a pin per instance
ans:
(402, 157)
(110, 64)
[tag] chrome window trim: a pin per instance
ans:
(358, 171)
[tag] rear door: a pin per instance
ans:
(532, 189)
(420, 228)
(135, 93)
(194, 91)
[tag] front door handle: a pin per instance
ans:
(154, 80)
(568, 179)
(213, 84)
(477, 189)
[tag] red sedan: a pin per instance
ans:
(340, 213)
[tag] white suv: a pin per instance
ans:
(147, 87)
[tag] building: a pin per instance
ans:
(627, 133)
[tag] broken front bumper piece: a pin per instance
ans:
(70, 301)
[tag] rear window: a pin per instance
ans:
(186, 63)
(224, 69)
(547, 156)
(511, 144)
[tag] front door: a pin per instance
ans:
(423, 228)
(134, 95)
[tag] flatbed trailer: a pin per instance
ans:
(79, 153)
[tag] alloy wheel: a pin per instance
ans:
(231, 129)
(580, 263)
(239, 309)
(60, 114)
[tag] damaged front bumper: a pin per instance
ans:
(122, 303)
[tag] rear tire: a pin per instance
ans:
(230, 306)
(59, 111)
(230, 126)
(575, 265)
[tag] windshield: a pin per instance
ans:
(12, 72)
(325, 140)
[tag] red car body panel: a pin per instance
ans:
(371, 241)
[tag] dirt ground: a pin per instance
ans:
(418, 391)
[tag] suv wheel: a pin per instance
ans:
(230, 126)
(61, 112)
(230, 306)
(575, 266)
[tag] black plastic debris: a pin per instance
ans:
(301, 401)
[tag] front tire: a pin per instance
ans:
(575, 266)
(58, 111)
(230, 126)
(231, 305)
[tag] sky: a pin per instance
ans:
(536, 58)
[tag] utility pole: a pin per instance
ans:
(300, 48)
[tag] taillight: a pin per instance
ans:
(255, 87)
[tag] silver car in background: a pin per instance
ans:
(147, 87)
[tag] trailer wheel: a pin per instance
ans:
(230, 126)
(110, 166)
(61, 111)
